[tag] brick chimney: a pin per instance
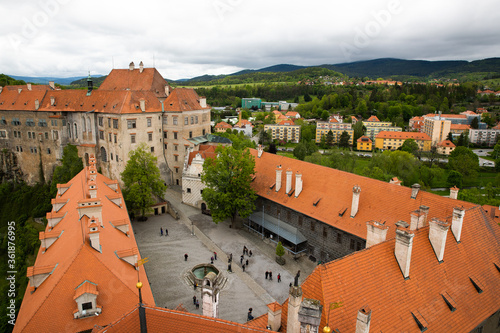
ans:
(402, 250)
(417, 219)
(414, 190)
(142, 103)
(19, 90)
(94, 234)
(298, 183)
(28, 85)
(310, 315)
(288, 180)
(52, 85)
(294, 301)
(274, 316)
(376, 233)
(457, 222)
(363, 320)
(131, 66)
(355, 200)
(203, 102)
(423, 221)
(438, 230)
(141, 67)
(278, 177)
(37, 104)
(167, 90)
(454, 192)
(260, 150)
(52, 100)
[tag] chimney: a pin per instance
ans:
(260, 150)
(423, 220)
(294, 301)
(131, 66)
(417, 219)
(141, 67)
(363, 320)
(167, 90)
(19, 90)
(142, 103)
(298, 183)
(278, 178)
(52, 100)
(52, 85)
(29, 86)
(402, 250)
(457, 221)
(93, 189)
(94, 234)
(310, 315)
(437, 235)
(203, 102)
(37, 104)
(376, 233)
(239, 117)
(288, 180)
(355, 200)
(1, 88)
(454, 192)
(274, 316)
(414, 190)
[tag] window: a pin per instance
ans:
(42, 123)
(3, 134)
(30, 122)
(196, 119)
(100, 121)
(165, 120)
(116, 157)
(29, 134)
(165, 146)
(132, 138)
(115, 138)
(351, 245)
(46, 135)
(55, 135)
(53, 122)
(101, 135)
(16, 122)
(150, 136)
(152, 149)
(339, 238)
(104, 156)
(48, 151)
(176, 158)
(192, 120)
(87, 306)
(175, 135)
(165, 136)
(175, 121)
(76, 131)
(188, 190)
(111, 156)
(131, 123)
(109, 137)
(149, 122)
(203, 132)
(186, 120)
(358, 246)
(177, 171)
(325, 231)
(3, 121)
(115, 123)
(176, 147)
(190, 135)
(109, 122)
(312, 225)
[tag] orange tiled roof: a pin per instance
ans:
(243, 122)
(446, 143)
(183, 99)
(34, 87)
(206, 153)
(125, 79)
(373, 118)
(11, 100)
(364, 138)
(378, 200)
(469, 112)
(287, 123)
(403, 135)
(78, 262)
(462, 127)
(223, 125)
(86, 288)
(448, 115)
(291, 113)
(372, 277)
(166, 320)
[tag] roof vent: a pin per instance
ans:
(414, 190)
(131, 66)
(141, 67)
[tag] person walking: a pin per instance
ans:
(241, 260)
(229, 268)
(215, 255)
(212, 260)
(230, 257)
(197, 304)
(279, 277)
(250, 316)
(267, 274)
(166, 232)
(186, 257)
(243, 267)
(161, 231)
(195, 285)
(270, 275)
(246, 262)
(194, 300)
(250, 253)
(244, 249)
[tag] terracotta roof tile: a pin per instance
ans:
(183, 99)
(125, 79)
(446, 143)
(462, 127)
(86, 288)
(223, 124)
(373, 118)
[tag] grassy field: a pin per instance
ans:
(231, 85)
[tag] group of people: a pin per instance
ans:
(196, 303)
(269, 275)
(161, 231)
(214, 257)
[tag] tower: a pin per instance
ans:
(90, 85)
(210, 295)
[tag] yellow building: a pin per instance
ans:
(285, 130)
(364, 143)
(394, 140)
(437, 128)
(323, 127)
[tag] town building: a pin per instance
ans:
(394, 140)
(337, 128)
(192, 186)
(222, 127)
(292, 114)
(286, 130)
(374, 126)
(249, 103)
(88, 263)
(459, 129)
(445, 147)
(416, 124)
(132, 106)
(243, 125)
(484, 137)
(436, 128)
(364, 144)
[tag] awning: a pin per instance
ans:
(278, 227)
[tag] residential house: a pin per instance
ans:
(222, 127)
(445, 147)
(286, 130)
(364, 143)
(394, 140)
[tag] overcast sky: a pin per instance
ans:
(188, 38)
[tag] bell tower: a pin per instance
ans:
(210, 295)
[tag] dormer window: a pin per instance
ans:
(85, 298)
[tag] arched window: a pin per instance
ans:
(89, 125)
(69, 130)
(84, 128)
(104, 157)
(76, 131)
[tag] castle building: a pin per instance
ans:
(132, 106)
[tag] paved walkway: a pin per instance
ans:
(166, 269)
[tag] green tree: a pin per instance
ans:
(329, 138)
(474, 123)
(280, 250)
(71, 166)
(142, 180)
(450, 136)
(307, 98)
(463, 140)
(455, 178)
(465, 161)
(359, 131)
(410, 146)
(228, 178)
(300, 151)
(344, 140)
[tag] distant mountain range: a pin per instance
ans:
(377, 68)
